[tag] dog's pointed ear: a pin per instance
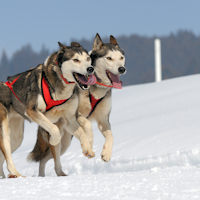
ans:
(97, 43)
(75, 44)
(60, 53)
(62, 46)
(113, 40)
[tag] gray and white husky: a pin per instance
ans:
(44, 95)
(108, 61)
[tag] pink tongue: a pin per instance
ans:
(115, 81)
(91, 80)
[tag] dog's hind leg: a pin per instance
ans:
(53, 153)
(16, 124)
(2, 158)
(60, 149)
(43, 162)
(5, 143)
(56, 151)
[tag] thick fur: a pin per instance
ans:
(32, 106)
(101, 54)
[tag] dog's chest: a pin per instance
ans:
(95, 103)
(84, 103)
(67, 108)
(56, 112)
(88, 103)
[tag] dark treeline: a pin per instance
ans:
(180, 57)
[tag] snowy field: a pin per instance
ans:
(156, 152)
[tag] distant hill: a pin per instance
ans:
(180, 56)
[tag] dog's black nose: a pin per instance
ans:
(90, 70)
(122, 70)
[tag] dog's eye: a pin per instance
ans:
(76, 60)
(122, 58)
(109, 58)
(88, 58)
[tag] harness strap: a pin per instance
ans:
(50, 103)
(106, 85)
(94, 102)
(64, 79)
(11, 88)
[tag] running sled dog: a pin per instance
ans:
(108, 61)
(44, 95)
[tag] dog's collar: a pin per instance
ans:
(63, 78)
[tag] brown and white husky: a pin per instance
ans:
(108, 61)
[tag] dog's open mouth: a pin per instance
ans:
(114, 80)
(84, 80)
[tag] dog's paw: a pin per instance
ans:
(61, 174)
(89, 153)
(15, 176)
(54, 140)
(106, 155)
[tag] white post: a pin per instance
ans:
(158, 67)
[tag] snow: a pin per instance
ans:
(156, 153)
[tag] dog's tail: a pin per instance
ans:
(41, 146)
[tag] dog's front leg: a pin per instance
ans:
(75, 129)
(45, 123)
(104, 127)
(87, 127)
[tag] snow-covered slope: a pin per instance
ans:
(156, 152)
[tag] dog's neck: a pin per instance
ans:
(98, 91)
(57, 85)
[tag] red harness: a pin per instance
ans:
(94, 102)
(11, 88)
(50, 103)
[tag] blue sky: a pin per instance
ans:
(45, 22)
